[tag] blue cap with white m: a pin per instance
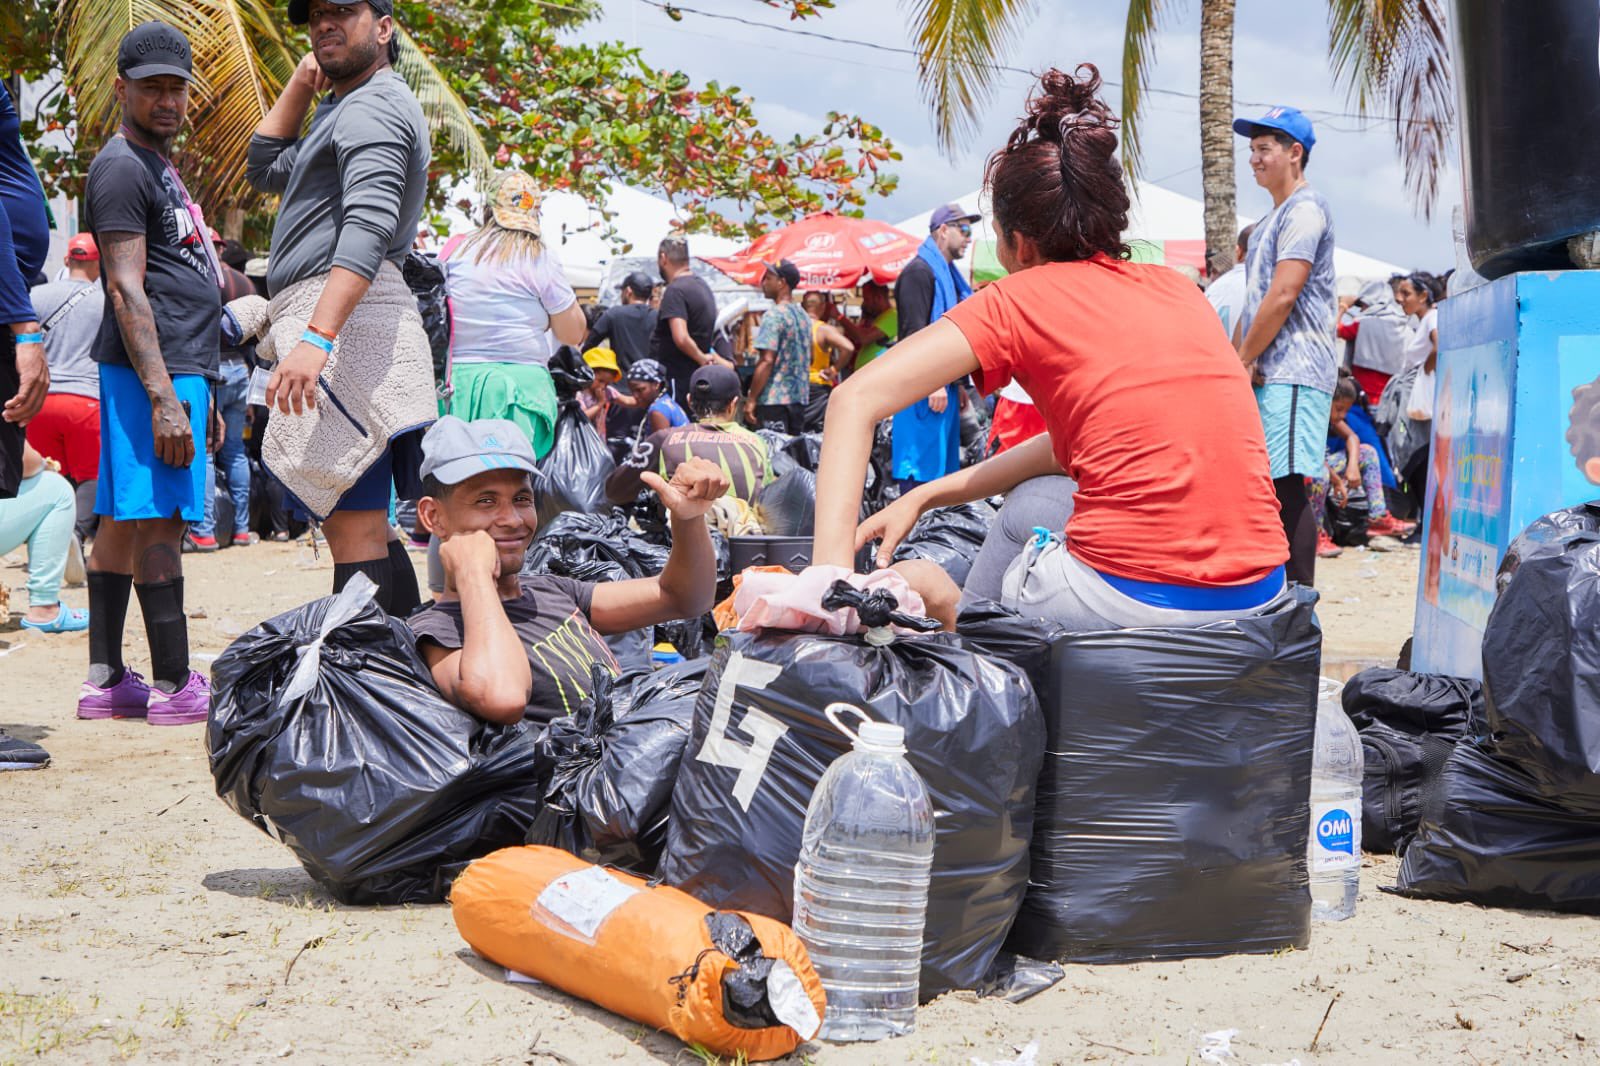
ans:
(454, 450)
(1286, 119)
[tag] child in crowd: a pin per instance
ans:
(1352, 469)
(598, 399)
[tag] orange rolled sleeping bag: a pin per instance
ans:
(645, 952)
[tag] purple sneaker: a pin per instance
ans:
(128, 698)
(190, 704)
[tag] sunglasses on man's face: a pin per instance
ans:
(963, 228)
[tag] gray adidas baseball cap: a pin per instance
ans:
(454, 450)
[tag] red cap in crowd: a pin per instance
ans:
(82, 248)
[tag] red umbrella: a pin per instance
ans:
(831, 251)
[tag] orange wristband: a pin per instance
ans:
(319, 331)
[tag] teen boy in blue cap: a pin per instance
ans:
(1286, 332)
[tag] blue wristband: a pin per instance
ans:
(316, 340)
(29, 338)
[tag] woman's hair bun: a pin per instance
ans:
(1057, 180)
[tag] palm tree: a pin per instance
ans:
(242, 60)
(1384, 52)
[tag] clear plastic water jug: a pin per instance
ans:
(861, 885)
(1333, 854)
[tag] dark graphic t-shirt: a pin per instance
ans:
(629, 328)
(689, 298)
(552, 618)
(132, 190)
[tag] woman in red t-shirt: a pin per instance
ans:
(1147, 405)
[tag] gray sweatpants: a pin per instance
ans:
(1040, 502)
(1046, 581)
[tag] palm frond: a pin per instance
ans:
(444, 109)
(241, 61)
(960, 44)
(1397, 53)
(1138, 54)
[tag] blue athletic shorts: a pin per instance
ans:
(1295, 418)
(133, 482)
(397, 473)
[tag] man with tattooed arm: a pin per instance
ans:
(158, 352)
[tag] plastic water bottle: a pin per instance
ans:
(1334, 850)
(861, 885)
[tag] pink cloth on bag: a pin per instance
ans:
(793, 602)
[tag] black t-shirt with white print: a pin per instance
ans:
(132, 190)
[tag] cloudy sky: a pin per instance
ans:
(1279, 57)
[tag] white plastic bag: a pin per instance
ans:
(1419, 408)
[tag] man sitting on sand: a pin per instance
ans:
(504, 645)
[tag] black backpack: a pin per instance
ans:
(1409, 724)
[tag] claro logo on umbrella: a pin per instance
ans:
(832, 252)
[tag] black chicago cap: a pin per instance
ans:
(152, 49)
(300, 10)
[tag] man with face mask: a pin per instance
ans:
(158, 352)
(352, 385)
(927, 435)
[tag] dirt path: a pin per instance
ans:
(142, 920)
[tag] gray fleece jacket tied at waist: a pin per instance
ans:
(377, 385)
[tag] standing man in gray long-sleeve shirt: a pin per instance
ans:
(352, 193)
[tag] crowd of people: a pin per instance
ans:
(168, 361)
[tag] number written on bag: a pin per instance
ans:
(765, 731)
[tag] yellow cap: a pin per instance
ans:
(602, 359)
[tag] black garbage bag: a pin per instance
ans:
(1409, 723)
(572, 477)
(592, 547)
(788, 506)
(687, 635)
(569, 372)
(777, 451)
(1552, 529)
(760, 745)
(1347, 522)
(327, 734)
(425, 276)
(805, 450)
(1173, 803)
(1540, 683)
(607, 772)
(1493, 836)
(950, 537)
(227, 521)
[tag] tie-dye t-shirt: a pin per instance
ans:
(1303, 351)
(552, 618)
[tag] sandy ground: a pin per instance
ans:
(142, 920)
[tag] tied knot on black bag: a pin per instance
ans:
(877, 608)
(569, 372)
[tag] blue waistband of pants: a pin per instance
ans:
(1193, 598)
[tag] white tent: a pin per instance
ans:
(576, 230)
(1164, 226)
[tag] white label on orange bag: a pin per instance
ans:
(790, 1002)
(585, 898)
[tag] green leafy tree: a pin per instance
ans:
(501, 85)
